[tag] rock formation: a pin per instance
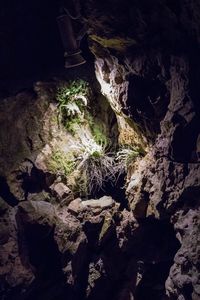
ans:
(58, 241)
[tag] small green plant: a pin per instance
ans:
(72, 125)
(72, 98)
(74, 88)
(96, 168)
(126, 156)
(95, 165)
(86, 166)
(99, 135)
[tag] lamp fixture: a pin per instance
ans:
(70, 42)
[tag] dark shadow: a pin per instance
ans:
(189, 199)
(153, 244)
(35, 180)
(45, 258)
(80, 270)
(114, 189)
(30, 38)
(6, 194)
(148, 99)
(184, 140)
(157, 253)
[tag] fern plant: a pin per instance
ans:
(72, 98)
(126, 156)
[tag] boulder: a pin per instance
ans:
(75, 206)
(102, 203)
(62, 192)
(37, 212)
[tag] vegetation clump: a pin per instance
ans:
(98, 131)
(86, 167)
(89, 161)
(126, 156)
(72, 99)
(75, 112)
(97, 167)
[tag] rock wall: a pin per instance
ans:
(53, 246)
(148, 67)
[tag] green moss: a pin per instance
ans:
(98, 131)
(73, 124)
(89, 164)
(118, 43)
(74, 112)
(61, 163)
(65, 93)
(99, 135)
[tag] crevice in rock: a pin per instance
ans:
(114, 189)
(34, 180)
(187, 291)
(156, 254)
(43, 251)
(185, 139)
(189, 199)
(29, 143)
(152, 285)
(6, 194)
(140, 269)
(45, 259)
(148, 100)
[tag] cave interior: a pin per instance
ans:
(99, 150)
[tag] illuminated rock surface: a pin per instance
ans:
(132, 239)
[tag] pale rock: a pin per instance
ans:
(62, 192)
(103, 202)
(75, 206)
